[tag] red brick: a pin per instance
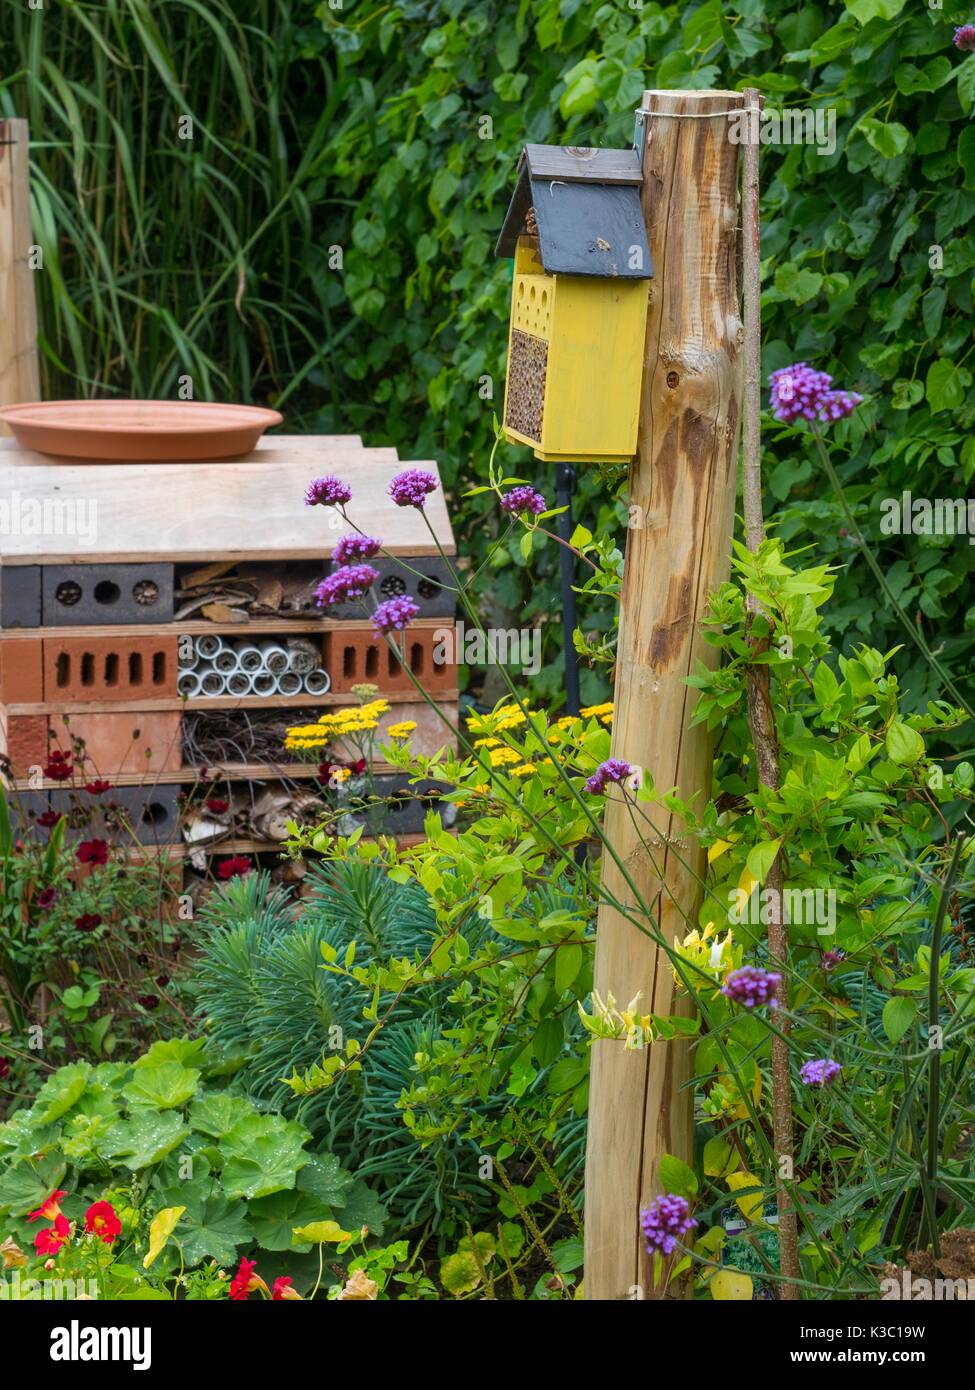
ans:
(95, 669)
(355, 657)
(24, 741)
(120, 741)
(21, 681)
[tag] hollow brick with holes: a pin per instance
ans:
(423, 578)
(21, 673)
(355, 657)
(109, 668)
(92, 595)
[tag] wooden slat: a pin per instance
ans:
(242, 847)
(197, 628)
(573, 164)
(395, 697)
(253, 509)
(19, 373)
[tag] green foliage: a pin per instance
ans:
(158, 1135)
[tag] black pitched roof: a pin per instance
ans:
(587, 211)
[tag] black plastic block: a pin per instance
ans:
(150, 813)
(423, 578)
(89, 595)
(20, 596)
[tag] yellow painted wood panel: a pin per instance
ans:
(592, 398)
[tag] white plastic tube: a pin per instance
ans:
(188, 684)
(317, 682)
(213, 683)
(187, 656)
(208, 645)
(226, 661)
(250, 658)
(288, 683)
(262, 683)
(275, 657)
(239, 683)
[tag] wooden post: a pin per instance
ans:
(682, 503)
(19, 374)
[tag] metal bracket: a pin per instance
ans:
(639, 130)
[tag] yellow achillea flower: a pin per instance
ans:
(340, 774)
(501, 756)
(525, 770)
(487, 743)
(401, 730)
(567, 721)
(597, 711)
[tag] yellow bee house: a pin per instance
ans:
(579, 298)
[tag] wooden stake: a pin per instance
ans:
(19, 373)
(682, 499)
(761, 714)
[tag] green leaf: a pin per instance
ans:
(866, 10)
(24, 1186)
(548, 1041)
(163, 1086)
(211, 1227)
(324, 1178)
(946, 384)
(568, 963)
(798, 284)
(264, 1154)
(217, 1112)
(60, 1092)
(889, 139)
(761, 857)
(146, 1139)
(274, 1218)
(899, 1014)
(904, 745)
(190, 1052)
(677, 1177)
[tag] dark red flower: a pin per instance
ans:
(148, 1001)
(46, 898)
(58, 767)
(47, 819)
(217, 806)
(325, 771)
(96, 788)
(142, 958)
(358, 767)
(88, 921)
(4, 1068)
(101, 1220)
(92, 852)
(235, 867)
(162, 981)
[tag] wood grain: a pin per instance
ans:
(251, 509)
(19, 373)
(682, 491)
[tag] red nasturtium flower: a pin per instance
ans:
(235, 867)
(49, 1239)
(50, 1208)
(245, 1281)
(102, 1221)
(92, 852)
(281, 1289)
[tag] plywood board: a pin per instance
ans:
(19, 375)
(59, 512)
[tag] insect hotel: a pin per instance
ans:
(579, 296)
(159, 630)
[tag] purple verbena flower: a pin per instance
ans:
(820, 1072)
(838, 405)
(798, 392)
(965, 38)
(410, 488)
(663, 1221)
(751, 986)
(353, 581)
(351, 548)
(613, 770)
(523, 499)
(394, 615)
(327, 492)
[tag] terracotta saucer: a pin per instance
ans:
(139, 431)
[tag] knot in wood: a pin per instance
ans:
(673, 380)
